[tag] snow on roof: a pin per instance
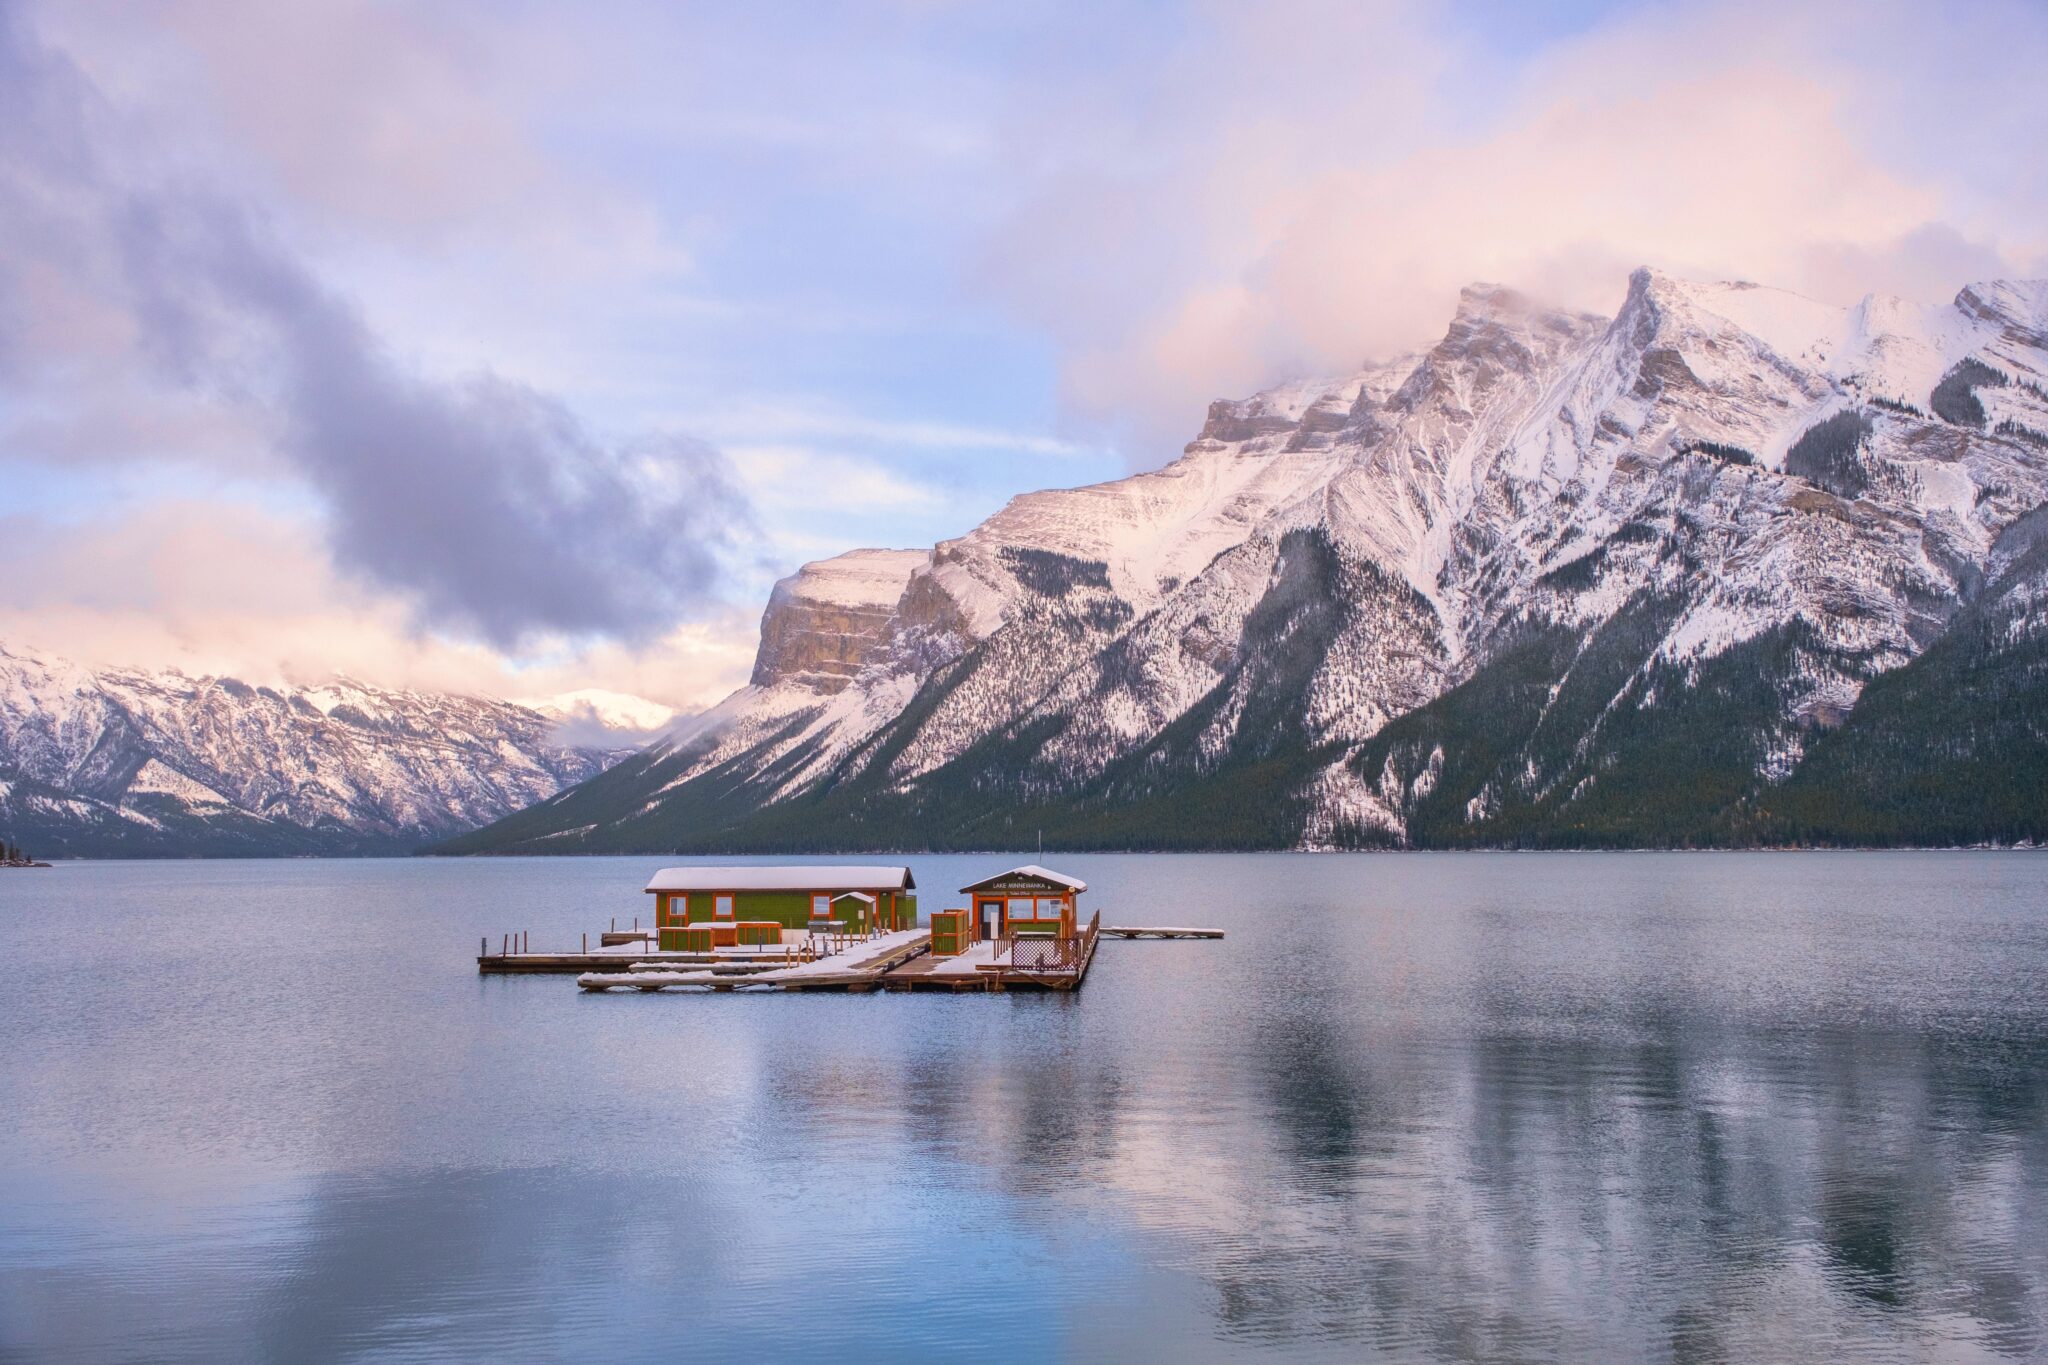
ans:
(1030, 870)
(854, 896)
(758, 878)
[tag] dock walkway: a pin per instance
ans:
(859, 968)
(623, 951)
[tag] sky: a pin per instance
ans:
(518, 347)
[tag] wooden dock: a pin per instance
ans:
(1053, 965)
(515, 964)
(517, 960)
(864, 969)
(905, 965)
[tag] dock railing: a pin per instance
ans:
(1038, 953)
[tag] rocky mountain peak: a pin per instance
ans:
(1559, 579)
(825, 622)
(1496, 333)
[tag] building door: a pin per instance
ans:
(990, 913)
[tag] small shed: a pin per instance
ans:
(862, 897)
(1027, 900)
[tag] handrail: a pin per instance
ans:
(1059, 954)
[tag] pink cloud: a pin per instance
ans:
(213, 587)
(1248, 212)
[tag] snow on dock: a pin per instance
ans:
(859, 967)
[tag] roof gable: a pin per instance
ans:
(1028, 879)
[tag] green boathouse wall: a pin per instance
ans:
(790, 909)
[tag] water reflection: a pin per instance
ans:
(1441, 1109)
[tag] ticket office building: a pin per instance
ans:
(1026, 900)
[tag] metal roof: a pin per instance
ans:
(801, 878)
(1030, 870)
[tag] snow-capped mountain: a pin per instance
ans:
(1559, 579)
(121, 761)
(595, 717)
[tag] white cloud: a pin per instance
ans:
(1253, 207)
(792, 479)
(214, 587)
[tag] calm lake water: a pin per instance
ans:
(1415, 1107)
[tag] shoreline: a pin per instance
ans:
(1061, 852)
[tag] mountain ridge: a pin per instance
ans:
(130, 762)
(1557, 580)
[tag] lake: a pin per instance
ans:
(1414, 1107)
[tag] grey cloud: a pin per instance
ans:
(488, 504)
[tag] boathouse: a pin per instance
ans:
(1026, 900)
(850, 899)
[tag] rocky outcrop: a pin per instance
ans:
(825, 622)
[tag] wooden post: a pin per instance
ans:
(483, 946)
(504, 945)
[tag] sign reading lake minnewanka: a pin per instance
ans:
(1023, 886)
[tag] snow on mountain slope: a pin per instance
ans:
(122, 760)
(1719, 513)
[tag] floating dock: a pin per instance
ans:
(755, 928)
(624, 950)
(896, 962)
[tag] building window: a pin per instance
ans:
(821, 907)
(721, 907)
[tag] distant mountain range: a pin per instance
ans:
(121, 762)
(1730, 567)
